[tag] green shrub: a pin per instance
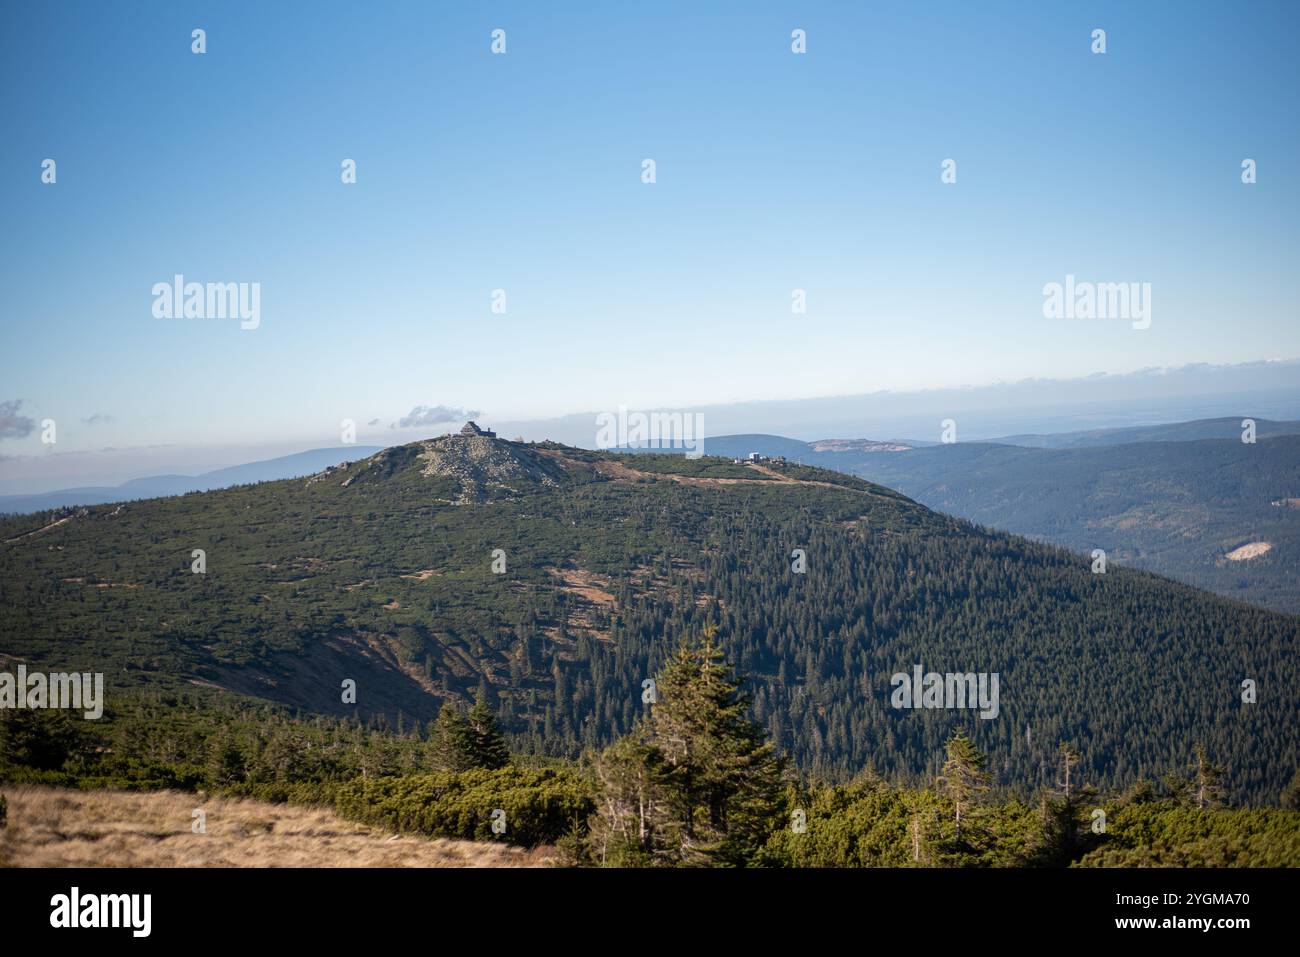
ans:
(1157, 835)
(540, 804)
(869, 823)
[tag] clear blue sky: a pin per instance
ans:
(522, 172)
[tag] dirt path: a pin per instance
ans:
(794, 481)
(781, 478)
(19, 538)
(623, 471)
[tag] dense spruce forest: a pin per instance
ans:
(695, 782)
(550, 583)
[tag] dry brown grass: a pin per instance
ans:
(53, 827)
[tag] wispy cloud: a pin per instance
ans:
(13, 425)
(434, 415)
(98, 418)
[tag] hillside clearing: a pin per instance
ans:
(1247, 552)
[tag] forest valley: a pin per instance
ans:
(695, 782)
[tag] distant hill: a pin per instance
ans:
(1221, 428)
(1190, 510)
(555, 580)
(838, 452)
(268, 470)
(1267, 389)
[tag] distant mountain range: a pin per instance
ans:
(269, 470)
(1267, 389)
(1226, 427)
(1229, 427)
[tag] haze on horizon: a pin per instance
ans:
(1266, 390)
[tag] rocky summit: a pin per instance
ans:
(484, 467)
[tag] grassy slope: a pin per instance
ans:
(52, 827)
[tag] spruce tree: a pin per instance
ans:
(1291, 793)
(487, 744)
(628, 828)
(1207, 791)
(963, 777)
(225, 763)
(450, 744)
(37, 739)
(921, 811)
(1065, 834)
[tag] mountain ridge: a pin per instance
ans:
(556, 601)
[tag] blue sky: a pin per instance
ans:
(775, 171)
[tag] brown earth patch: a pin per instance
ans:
(578, 581)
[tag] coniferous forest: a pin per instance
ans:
(651, 661)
